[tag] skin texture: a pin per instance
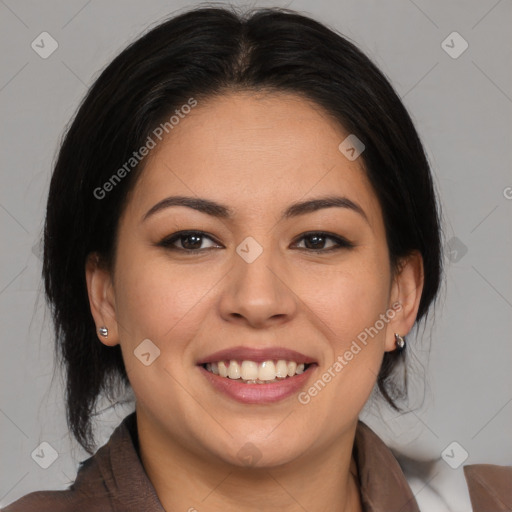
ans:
(256, 154)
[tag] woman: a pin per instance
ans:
(242, 227)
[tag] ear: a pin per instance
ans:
(101, 298)
(405, 297)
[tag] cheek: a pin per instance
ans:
(163, 303)
(350, 305)
(157, 299)
(347, 299)
(349, 302)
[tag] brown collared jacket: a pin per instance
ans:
(114, 480)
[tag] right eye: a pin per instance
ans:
(190, 241)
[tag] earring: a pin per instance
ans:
(103, 331)
(399, 342)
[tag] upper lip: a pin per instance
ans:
(258, 355)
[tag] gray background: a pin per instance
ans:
(462, 108)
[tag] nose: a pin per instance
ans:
(258, 294)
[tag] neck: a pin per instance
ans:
(322, 481)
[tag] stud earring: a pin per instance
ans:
(103, 331)
(399, 342)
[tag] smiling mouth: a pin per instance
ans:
(252, 372)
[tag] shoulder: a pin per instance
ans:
(489, 486)
(61, 501)
(113, 479)
(89, 493)
(380, 472)
(94, 489)
(381, 480)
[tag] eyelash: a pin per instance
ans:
(341, 242)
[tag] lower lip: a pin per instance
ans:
(259, 393)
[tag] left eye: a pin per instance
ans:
(315, 241)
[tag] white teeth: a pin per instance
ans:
(223, 370)
(267, 370)
(249, 370)
(292, 366)
(234, 370)
(256, 373)
(281, 369)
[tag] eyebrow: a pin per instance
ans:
(217, 210)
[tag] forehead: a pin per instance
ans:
(255, 152)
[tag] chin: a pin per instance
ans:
(249, 451)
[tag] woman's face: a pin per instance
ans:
(253, 282)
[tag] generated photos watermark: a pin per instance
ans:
(137, 156)
(343, 359)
